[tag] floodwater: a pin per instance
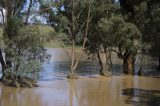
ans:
(89, 90)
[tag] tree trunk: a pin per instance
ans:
(72, 73)
(128, 63)
(104, 66)
(2, 63)
(159, 63)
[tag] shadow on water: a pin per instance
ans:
(142, 97)
(58, 70)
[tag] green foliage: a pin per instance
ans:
(146, 18)
(101, 10)
(127, 35)
(28, 54)
(114, 32)
(26, 70)
(68, 18)
(28, 44)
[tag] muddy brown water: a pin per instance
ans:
(89, 90)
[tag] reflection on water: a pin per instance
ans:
(89, 90)
(56, 70)
(142, 97)
(99, 91)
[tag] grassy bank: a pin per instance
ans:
(55, 44)
(51, 43)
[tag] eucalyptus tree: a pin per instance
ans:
(155, 29)
(12, 8)
(1, 56)
(116, 35)
(145, 15)
(129, 43)
(24, 51)
(98, 44)
(72, 18)
(111, 32)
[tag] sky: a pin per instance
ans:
(36, 7)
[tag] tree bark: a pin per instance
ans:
(2, 63)
(100, 62)
(73, 57)
(128, 63)
(74, 61)
(104, 66)
(72, 73)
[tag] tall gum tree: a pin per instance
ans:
(99, 43)
(117, 36)
(145, 15)
(72, 18)
(3, 64)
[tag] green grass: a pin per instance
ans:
(55, 44)
(50, 44)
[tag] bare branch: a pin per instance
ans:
(85, 36)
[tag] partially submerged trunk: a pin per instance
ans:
(104, 64)
(128, 64)
(73, 32)
(72, 73)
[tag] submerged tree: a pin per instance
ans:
(146, 18)
(130, 43)
(72, 18)
(98, 42)
(27, 57)
(24, 51)
(116, 35)
(110, 32)
(3, 64)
